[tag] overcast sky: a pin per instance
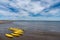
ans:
(30, 10)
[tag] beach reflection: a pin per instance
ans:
(32, 30)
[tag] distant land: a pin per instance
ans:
(29, 21)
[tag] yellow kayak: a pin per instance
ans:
(16, 32)
(15, 35)
(9, 35)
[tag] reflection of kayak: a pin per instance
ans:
(2, 22)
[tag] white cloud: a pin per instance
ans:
(35, 7)
(27, 6)
(55, 12)
(5, 13)
(24, 13)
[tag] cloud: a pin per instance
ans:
(15, 9)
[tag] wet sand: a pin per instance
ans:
(36, 36)
(29, 33)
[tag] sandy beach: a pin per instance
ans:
(36, 36)
(32, 31)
